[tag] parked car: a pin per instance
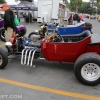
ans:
(92, 17)
(1, 15)
(99, 18)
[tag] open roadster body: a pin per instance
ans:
(60, 29)
(75, 29)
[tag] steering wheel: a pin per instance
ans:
(58, 38)
(50, 37)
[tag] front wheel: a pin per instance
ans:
(87, 69)
(3, 58)
(2, 35)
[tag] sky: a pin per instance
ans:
(11, 2)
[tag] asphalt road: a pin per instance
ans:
(46, 81)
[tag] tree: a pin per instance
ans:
(95, 4)
(24, 0)
(75, 4)
(98, 1)
(84, 7)
(98, 7)
(2, 1)
(66, 1)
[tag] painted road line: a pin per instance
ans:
(60, 92)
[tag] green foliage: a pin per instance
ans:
(74, 3)
(98, 1)
(2, 1)
(84, 7)
(98, 7)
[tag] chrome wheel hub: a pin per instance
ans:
(90, 72)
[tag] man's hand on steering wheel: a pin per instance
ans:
(54, 37)
(58, 38)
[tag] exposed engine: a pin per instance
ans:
(18, 46)
(42, 30)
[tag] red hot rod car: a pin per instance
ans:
(82, 49)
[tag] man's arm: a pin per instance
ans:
(7, 18)
(7, 21)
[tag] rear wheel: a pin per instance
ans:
(87, 69)
(3, 58)
(2, 35)
(34, 36)
(32, 33)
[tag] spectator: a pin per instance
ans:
(8, 21)
(81, 17)
(30, 16)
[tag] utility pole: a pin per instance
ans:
(92, 4)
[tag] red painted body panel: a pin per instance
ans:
(13, 41)
(64, 51)
(93, 48)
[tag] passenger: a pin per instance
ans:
(8, 22)
(76, 18)
(70, 19)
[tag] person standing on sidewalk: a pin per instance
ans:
(81, 17)
(8, 22)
